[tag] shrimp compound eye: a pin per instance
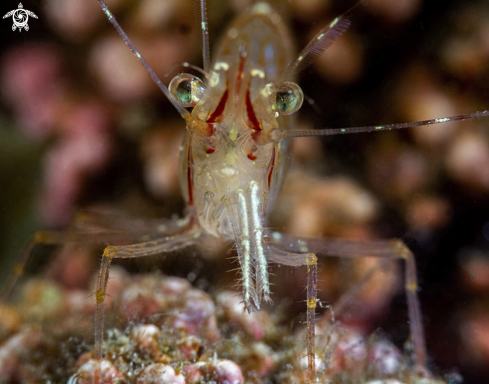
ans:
(187, 89)
(288, 98)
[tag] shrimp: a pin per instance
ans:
(233, 162)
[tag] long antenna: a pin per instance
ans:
(185, 114)
(376, 128)
(319, 43)
(322, 41)
(200, 10)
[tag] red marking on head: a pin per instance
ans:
(211, 129)
(271, 169)
(189, 176)
(210, 150)
(216, 116)
(255, 135)
(251, 113)
(200, 128)
(239, 78)
(251, 156)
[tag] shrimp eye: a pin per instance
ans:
(187, 89)
(288, 98)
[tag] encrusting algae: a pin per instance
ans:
(163, 330)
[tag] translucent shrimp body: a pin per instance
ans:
(231, 167)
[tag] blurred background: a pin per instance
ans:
(82, 125)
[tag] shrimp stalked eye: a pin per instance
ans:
(187, 89)
(288, 98)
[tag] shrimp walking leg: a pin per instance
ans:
(310, 261)
(345, 248)
(99, 227)
(162, 245)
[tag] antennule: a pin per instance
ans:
(322, 41)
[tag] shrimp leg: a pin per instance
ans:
(162, 245)
(346, 248)
(99, 227)
(310, 261)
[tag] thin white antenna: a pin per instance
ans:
(185, 114)
(200, 10)
(377, 128)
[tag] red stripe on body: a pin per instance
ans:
(217, 114)
(251, 113)
(239, 78)
(271, 169)
(189, 176)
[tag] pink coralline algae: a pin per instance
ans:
(159, 374)
(162, 330)
(42, 101)
(102, 371)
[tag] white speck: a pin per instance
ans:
(263, 8)
(221, 65)
(277, 236)
(214, 79)
(228, 171)
(443, 120)
(258, 72)
(233, 33)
